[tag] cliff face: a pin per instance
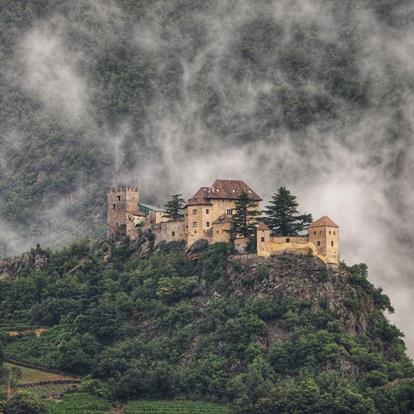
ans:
(305, 278)
(36, 259)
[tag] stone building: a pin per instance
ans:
(154, 214)
(123, 215)
(207, 214)
(322, 240)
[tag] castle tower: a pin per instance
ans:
(123, 213)
(324, 234)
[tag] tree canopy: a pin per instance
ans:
(174, 207)
(245, 218)
(282, 215)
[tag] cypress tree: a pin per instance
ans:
(174, 207)
(282, 215)
(245, 218)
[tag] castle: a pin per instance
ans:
(208, 216)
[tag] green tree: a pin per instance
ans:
(25, 403)
(282, 215)
(245, 219)
(174, 207)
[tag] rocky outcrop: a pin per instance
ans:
(304, 278)
(34, 259)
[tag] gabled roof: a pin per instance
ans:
(199, 198)
(224, 218)
(222, 190)
(324, 221)
(231, 189)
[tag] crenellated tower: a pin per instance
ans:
(123, 213)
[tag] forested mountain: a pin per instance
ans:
(279, 335)
(95, 92)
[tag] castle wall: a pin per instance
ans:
(169, 231)
(156, 217)
(268, 245)
(221, 233)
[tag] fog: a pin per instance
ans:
(334, 125)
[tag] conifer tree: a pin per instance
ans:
(174, 207)
(282, 215)
(245, 218)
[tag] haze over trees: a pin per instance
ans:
(93, 91)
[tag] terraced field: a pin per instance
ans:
(82, 403)
(79, 403)
(175, 407)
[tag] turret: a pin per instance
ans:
(122, 206)
(324, 234)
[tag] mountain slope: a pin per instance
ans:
(284, 334)
(98, 92)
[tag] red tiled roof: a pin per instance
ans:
(199, 197)
(324, 221)
(223, 190)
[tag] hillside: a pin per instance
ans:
(285, 334)
(120, 91)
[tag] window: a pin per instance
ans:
(332, 243)
(114, 205)
(334, 233)
(314, 232)
(119, 198)
(208, 224)
(329, 232)
(217, 232)
(173, 233)
(195, 211)
(194, 224)
(229, 211)
(195, 231)
(288, 240)
(186, 226)
(319, 243)
(262, 239)
(207, 211)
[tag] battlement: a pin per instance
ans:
(123, 189)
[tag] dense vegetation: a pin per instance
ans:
(204, 325)
(96, 91)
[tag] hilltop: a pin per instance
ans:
(279, 334)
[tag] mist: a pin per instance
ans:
(314, 95)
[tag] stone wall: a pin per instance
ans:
(169, 231)
(121, 201)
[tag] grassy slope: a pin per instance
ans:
(30, 375)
